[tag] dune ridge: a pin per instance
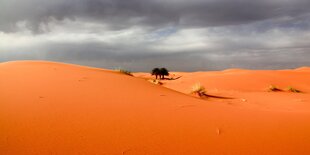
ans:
(54, 108)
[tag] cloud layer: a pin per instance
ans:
(140, 34)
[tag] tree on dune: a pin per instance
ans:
(164, 72)
(156, 72)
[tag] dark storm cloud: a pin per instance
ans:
(183, 35)
(121, 14)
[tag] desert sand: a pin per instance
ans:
(64, 109)
(251, 87)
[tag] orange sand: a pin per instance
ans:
(54, 108)
(248, 88)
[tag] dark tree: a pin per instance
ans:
(156, 72)
(164, 72)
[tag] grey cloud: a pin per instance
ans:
(246, 33)
(100, 55)
(121, 14)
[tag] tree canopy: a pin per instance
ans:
(161, 72)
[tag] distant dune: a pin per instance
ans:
(63, 109)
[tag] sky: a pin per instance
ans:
(138, 35)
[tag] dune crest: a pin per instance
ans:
(303, 69)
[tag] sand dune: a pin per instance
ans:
(249, 88)
(54, 108)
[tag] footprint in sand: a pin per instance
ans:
(218, 131)
(82, 79)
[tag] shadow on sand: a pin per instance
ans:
(214, 96)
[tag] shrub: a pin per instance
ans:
(155, 81)
(274, 88)
(126, 72)
(199, 90)
(292, 89)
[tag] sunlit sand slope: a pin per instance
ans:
(53, 108)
